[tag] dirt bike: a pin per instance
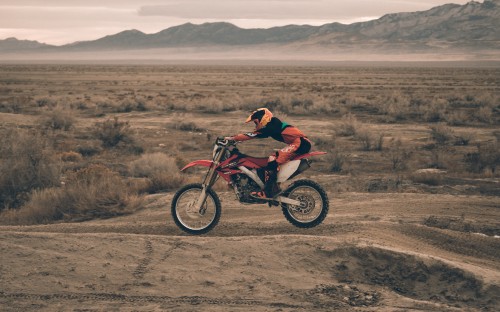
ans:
(196, 208)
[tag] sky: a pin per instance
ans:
(65, 21)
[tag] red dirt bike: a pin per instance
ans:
(196, 208)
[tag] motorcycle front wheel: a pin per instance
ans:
(186, 215)
(313, 206)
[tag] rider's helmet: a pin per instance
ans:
(261, 117)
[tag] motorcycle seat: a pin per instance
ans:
(259, 161)
(262, 161)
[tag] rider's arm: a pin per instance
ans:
(246, 136)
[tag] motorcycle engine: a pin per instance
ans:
(244, 187)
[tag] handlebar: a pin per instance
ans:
(221, 141)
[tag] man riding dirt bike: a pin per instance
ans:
(268, 126)
(196, 208)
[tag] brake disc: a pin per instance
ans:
(307, 204)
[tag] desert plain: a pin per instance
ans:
(91, 157)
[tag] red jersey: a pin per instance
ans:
(278, 130)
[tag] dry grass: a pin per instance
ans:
(337, 161)
(445, 121)
(93, 192)
(325, 143)
(58, 119)
(113, 131)
(71, 157)
(369, 140)
(428, 176)
(160, 169)
(486, 159)
(26, 163)
(348, 126)
(443, 135)
(188, 126)
(396, 105)
(399, 155)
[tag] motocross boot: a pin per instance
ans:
(271, 187)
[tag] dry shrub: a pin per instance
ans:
(190, 145)
(189, 126)
(186, 126)
(457, 118)
(301, 106)
(71, 156)
(213, 105)
(114, 132)
(351, 100)
(399, 155)
(89, 148)
(382, 184)
(442, 134)
(322, 105)
(397, 105)
(370, 141)
(251, 103)
(16, 104)
(89, 193)
(135, 104)
(161, 169)
(440, 159)
(26, 163)
(325, 143)
(463, 139)
(485, 115)
(337, 160)
(79, 105)
(428, 176)
(348, 126)
(435, 110)
(288, 103)
(45, 102)
(487, 158)
(58, 119)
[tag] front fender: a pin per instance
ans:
(203, 163)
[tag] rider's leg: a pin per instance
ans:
(270, 186)
(284, 155)
(298, 147)
(270, 177)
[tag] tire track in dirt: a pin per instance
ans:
(228, 229)
(142, 267)
(111, 297)
(177, 245)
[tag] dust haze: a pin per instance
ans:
(254, 55)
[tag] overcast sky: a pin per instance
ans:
(65, 21)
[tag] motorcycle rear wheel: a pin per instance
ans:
(314, 204)
(185, 214)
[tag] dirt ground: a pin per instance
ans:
(373, 252)
(389, 243)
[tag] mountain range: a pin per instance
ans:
(473, 26)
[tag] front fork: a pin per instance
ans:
(209, 181)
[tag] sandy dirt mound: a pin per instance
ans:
(372, 253)
(410, 276)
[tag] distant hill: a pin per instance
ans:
(190, 35)
(13, 44)
(471, 26)
(453, 23)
